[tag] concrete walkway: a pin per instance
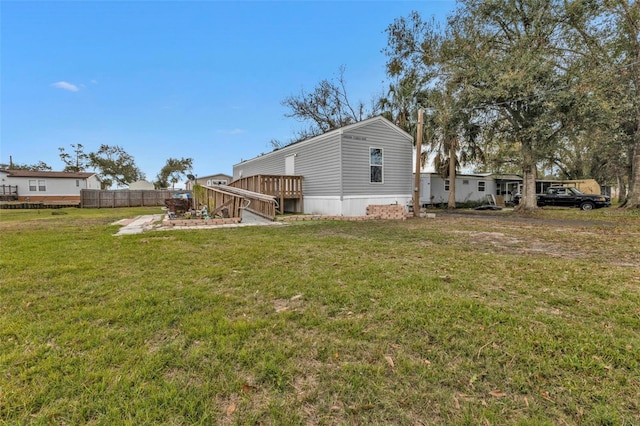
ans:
(138, 225)
(141, 224)
(253, 219)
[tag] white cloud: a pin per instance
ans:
(66, 86)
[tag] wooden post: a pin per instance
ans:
(416, 189)
(281, 195)
(301, 195)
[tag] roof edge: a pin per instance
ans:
(333, 132)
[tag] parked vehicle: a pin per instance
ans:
(562, 196)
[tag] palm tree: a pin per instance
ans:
(454, 136)
(401, 105)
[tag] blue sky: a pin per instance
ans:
(199, 79)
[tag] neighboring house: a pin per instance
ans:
(48, 186)
(141, 184)
(219, 179)
(344, 170)
(470, 188)
(474, 188)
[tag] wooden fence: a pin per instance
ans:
(110, 198)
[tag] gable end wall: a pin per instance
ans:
(397, 161)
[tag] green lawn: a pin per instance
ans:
(452, 320)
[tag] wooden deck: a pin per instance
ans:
(9, 192)
(282, 187)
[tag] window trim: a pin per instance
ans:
(42, 185)
(33, 185)
(484, 186)
(447, 184)
(381, 166)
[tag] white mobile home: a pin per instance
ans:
(474, 188)
(210, 180)
(48, 186)
(470, 188)
(344, 170)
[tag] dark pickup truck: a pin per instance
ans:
(572, 197)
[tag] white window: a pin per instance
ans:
(375, 165)
(465, 181)
(77, 183)
(446, 184)
(481, 186)
(42, 186)
(33, 185)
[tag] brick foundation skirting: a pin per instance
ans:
(387, 211)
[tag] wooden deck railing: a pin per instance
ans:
(8, 192)
(235, 200)
(282, 187)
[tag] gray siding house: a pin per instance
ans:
(344, 170)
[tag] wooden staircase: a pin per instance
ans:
(280, 187)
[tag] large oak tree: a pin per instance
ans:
(115, 165)
(553, 83)
(605, 36)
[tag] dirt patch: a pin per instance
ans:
(509, 217)
(608, 243)
(502, 242)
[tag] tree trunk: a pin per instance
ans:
(622, 188)
(451, 203)
(633, 199)
(529, 176)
